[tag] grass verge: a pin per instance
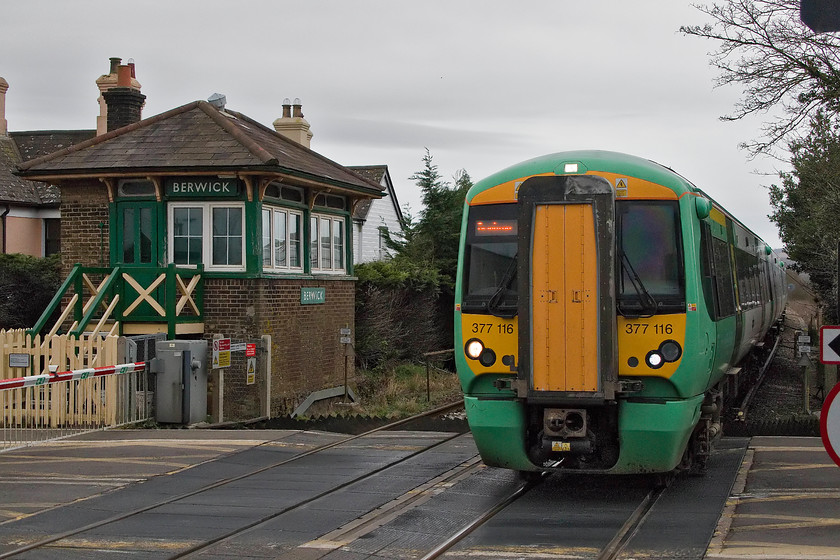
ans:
(395, 391)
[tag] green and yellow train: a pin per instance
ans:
(601, 302)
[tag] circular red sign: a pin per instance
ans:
(830, 424)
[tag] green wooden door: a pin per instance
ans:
(138, 252)
(139, 238)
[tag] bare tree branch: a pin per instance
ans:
(779, 62)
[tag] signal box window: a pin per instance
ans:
(208, 233)
(281, 234)
(326, 244)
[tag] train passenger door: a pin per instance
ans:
(567, 322)
(563, 298)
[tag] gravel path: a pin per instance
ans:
(778, 408)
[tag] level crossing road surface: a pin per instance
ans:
(225, 494)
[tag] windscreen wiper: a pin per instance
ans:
(494, 304)
(646, 301)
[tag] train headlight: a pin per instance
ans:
(670, 350)
(654, 360)
(474, 348)
(487, 358)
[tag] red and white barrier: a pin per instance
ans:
(73, 375)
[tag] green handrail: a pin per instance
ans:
(56, 301)
(115, 284)
(105, 289)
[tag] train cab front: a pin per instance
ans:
(546, 294)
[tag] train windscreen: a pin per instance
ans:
(651, 277)
(490, 261)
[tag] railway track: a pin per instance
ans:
(427, 508)
(79, 537)
(611, 551)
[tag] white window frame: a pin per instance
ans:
(315, 258)
(271, 265)
(206, 234)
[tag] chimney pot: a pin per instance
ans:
(123, 76)
(292, 125)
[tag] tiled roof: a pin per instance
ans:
(15, 190)
(24, 146)
(373, 173)
(193, 137)
(35, 144)
(378, 174)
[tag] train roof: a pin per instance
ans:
(591, 160)
(604, 161)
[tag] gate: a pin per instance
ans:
(50, 404)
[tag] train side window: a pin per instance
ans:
(707, 270)
(724, 279)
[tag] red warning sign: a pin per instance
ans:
(830, 424)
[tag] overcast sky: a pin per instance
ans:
(481, 84)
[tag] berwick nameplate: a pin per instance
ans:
(202, 187)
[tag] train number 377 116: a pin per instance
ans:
(642, 328)
(479, 328)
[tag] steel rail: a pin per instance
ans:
(217, 484)
(446, 545)
(631, 526)
(610, 552)
(745, 403)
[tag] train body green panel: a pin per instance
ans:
(654, 435)
(497, 427)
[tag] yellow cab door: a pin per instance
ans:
(564, 261)
(566, 314)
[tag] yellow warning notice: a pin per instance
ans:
(561, 446)
(621, 187)
(252, 371)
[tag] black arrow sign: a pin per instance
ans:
(835, 344)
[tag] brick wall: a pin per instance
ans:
(84, 206)
(306, 352)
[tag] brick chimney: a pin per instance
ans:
(292, 125)
(109, 81)
(4, 125)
